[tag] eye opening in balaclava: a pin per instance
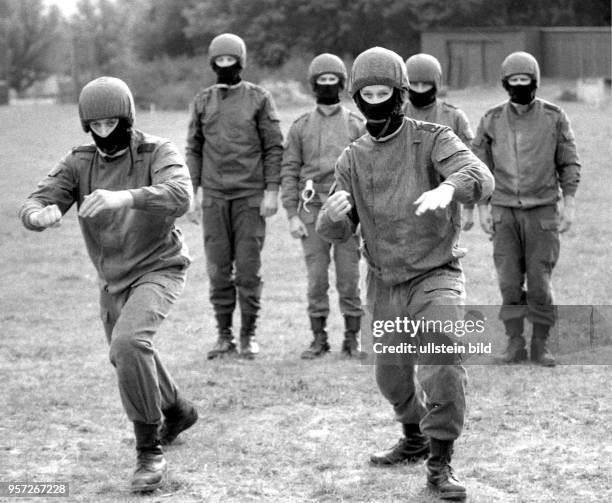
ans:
(118, 139)
(382, 118)
(521, 94)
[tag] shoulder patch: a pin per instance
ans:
(146, 147)
(84, 148)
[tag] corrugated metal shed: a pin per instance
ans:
(472, 56)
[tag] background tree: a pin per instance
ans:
(31, 34)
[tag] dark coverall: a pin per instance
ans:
(413, 261)
(534, 161)
(138, 253)
(234, 150)
(314, 142)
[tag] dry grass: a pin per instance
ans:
(280, 429)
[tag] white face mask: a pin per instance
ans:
(104, 127)
(376, 94)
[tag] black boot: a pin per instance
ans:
(539, 351)
(151, 465)
(225, 345)
(350, 345)
(440, 476)
(413, 447)
(248, 345)
(515, 351)
(318, 346)
(181, 416)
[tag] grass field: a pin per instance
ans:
(280, 429)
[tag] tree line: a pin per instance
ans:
(104, 36)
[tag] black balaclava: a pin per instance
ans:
(228, 75)
(327, 94)
(420, 100)
(521, 95)
(117, 140)
(383, 118)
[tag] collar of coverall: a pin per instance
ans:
(383, 139)
(225, 86)
(521, 109)
(328, 110)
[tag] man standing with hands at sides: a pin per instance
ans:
(234, 151)
(129, 188)
(423, 104)
(314, 142)
(530, 148)
(402, 183)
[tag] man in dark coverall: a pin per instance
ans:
(234, 151)
(530, 148)
(129, 188)
(413, 259)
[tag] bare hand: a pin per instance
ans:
(49, 216)
(467, 216)
(438, 198)
(269, 203)
(338, 205)
(194, 215)
(486, 220)
(297, 227)
(100, 200)
(567, 217)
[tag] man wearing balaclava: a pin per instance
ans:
(423, 104)
(234, 151)
(529, 146)
(129, 188)
(314, 142)
(402, 182)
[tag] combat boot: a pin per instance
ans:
(181, 416)
(248, 345)
(318, 346)
(539, 350)
(515, 350)
(151, 466)
(412, 447)
(225, 345)
(440, 477)
(350, 345)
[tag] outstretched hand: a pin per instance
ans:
(438, 198)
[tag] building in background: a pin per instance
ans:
(473, 56)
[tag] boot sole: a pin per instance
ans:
(147, 488)
(405, 461)
(451, 496)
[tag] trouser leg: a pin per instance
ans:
(395, 373)
(248, 240)
(509, 258)
(317, 258)
(346, 262)
(541, 255)
(131, 320)
(219, 250)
